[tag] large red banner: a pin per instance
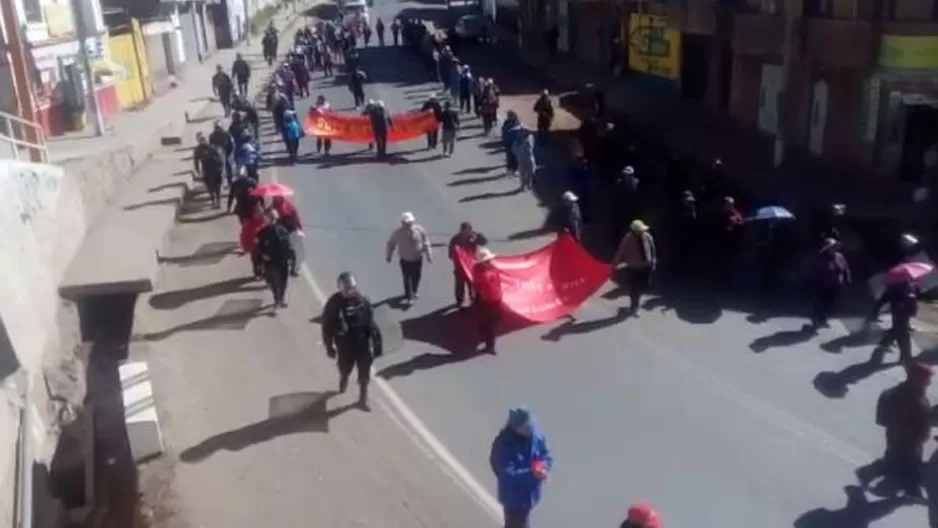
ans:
(547, 283)
(357, 128)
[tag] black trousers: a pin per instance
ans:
(293, 147)
(323, 143)
(904, 463)
(824, 302)
(381, 143)
(901, 335)
(517, 518)
(213, 186)
(465, 104)
(461, 286)
(225, 100)
(433, 138)
(277, 275)
(359, 98)
(411, 270)
(352, 356)
(327, 69)
(638, 279)
(243, 86)
(489, 315)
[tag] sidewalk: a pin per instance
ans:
(253, 435)
(703, 134)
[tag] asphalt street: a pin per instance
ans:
(718, 410)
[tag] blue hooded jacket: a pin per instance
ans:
(511, 459)
(291, 129)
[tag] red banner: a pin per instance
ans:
(357, 128)
(547, 283)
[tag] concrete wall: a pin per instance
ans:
(45, 216)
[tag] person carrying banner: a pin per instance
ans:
(351, 335)
(488, 299)
(469, 240)
(413, 246)
(323, 144)
(433, 105)
(637, 254)
(450, 125)
(380, 124)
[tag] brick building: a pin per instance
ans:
(853, 83)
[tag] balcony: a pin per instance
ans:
(838, 42)
(758, 34)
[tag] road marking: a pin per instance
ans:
(452, 466)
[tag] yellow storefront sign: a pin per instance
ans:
(654, 47)
(909, 53)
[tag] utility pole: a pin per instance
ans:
(81, 31)
(21, 81)
(247, 21)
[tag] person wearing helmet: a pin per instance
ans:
(412, 244)
(351, 335)
(521, 462)
(642, 515)
(638, 256)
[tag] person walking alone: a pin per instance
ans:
(351, 335)
(223, 88)
(209, 164)
(521, 462)
(450, 126)
(241, 72)
(638, 256)
(412, 244)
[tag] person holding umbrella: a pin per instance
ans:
(901, 294)
(521, 462)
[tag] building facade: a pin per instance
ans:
(850, 82)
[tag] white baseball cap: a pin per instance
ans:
(408, 217)
(568, 196)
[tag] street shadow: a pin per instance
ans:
(477, 170)
(688, 308)
(210, 253)
(782, 338)
(167, 186)
(425, 361)
(141, 205)
(490, 195)
(473, 181)
(188, 218)
(303, 412)
(396, 302)
(858, 512)
(233, 315)
(572, 327)
(174, 299)
(454, 330)
(836, 385)
(530, 233)
(861, 338)
(393, 65)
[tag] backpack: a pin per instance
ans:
(885, 405)
(355, 318)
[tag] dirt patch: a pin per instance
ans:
(159, 504)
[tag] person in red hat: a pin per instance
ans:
(642, 515)
(904, 411)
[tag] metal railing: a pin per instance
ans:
(15, 134)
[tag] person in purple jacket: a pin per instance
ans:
(521, 462)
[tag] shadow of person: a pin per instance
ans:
(174, 299)
(837, 384)
(424, 361)
(687, 309)
(233, 315)
(311, 415)
(782, 338)
(858, 512)
(860, 338)
(572, 326)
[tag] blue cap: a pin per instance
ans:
(519, 417)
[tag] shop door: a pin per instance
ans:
(769, 91)
(818, 117)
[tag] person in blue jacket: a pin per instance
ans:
(521, 462)
(292, 132)
(248, 157)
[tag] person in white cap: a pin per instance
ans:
(638, 256)
(488, 300)
(380, 124)
(413, 245)
(570, 218)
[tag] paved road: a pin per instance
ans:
(674, 406)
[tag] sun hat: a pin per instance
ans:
(568, 196)
(638, 226)
(484, 255)
(408, 217)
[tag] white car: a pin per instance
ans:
(353, 11)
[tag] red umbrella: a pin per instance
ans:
(271, 190)
(908, 271)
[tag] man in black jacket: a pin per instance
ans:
(222, 140)
(351, 335)
(433, 105)
(241, 71)
(903, 306)
(468, 240)
(275, 251)
(223, 88)
(207, 162)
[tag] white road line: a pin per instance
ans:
(452, 466)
